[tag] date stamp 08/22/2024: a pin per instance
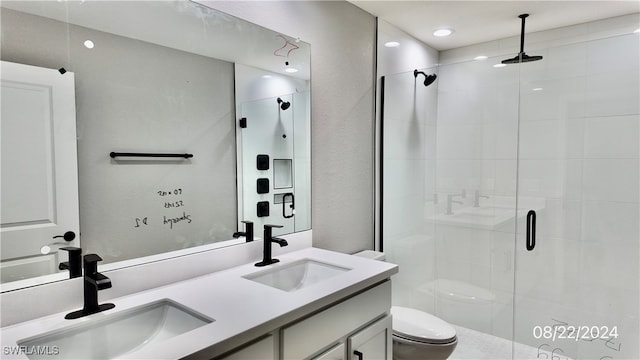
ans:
(570, 332)
(608, 344)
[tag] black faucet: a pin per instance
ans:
(268, 239)
(247, 233)
(93, 282)
(74, 265)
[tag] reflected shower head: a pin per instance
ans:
(284, 105)
(428, 79)
(522, 57)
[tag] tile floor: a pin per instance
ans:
(475, 345)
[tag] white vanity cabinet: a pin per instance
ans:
(370, 343)
(360, 324)
(335, 353)
(335, 331)
(373, 342)
(262, 349)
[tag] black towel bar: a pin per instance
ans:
(127, 154)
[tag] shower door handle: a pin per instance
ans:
(531, 230)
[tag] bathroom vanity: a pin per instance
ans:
(314, 304)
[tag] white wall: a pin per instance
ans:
(342, 39)
(409, 55)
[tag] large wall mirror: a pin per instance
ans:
(87, 84)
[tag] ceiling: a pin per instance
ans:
(479, 21)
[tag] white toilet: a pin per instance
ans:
(418, 335)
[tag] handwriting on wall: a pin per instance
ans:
(172, 208)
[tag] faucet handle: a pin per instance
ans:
(268, 231)
(91, 263)
(74, 265)
(73, 251)
(248, 230)
(92, 258)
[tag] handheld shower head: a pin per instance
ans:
(284, 105)
(428, 79)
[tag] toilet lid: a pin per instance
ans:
(419, 326)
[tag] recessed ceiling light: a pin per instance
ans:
(392, 44)
(89, 44)
(537, 89)
(443, 32)
(499, 65)
(266, 76)
(636, 31)
(480, 57)
(291, 70)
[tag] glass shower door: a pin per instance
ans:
(576, 290)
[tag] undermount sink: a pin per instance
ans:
(117, 334)
(296, 275)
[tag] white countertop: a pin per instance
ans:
(242, 309)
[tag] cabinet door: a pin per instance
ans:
(261, 350)
(336, 353)
(373, 342)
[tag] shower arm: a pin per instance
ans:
(523, 16)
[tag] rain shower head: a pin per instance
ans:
(428, 79)
(522, 57)
(284, 105)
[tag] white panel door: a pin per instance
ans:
(39, 176)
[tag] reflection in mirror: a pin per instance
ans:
(275, 112)
(143, 77)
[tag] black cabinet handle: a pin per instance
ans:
(531, 230)
(358, 354)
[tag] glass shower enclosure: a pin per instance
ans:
(510, 200)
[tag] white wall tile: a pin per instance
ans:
(612, 137)
(551, 178)
(553, 98)
(611, 180)
(611, 222)
(613, 93)
(459, 141)
(619, 53)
